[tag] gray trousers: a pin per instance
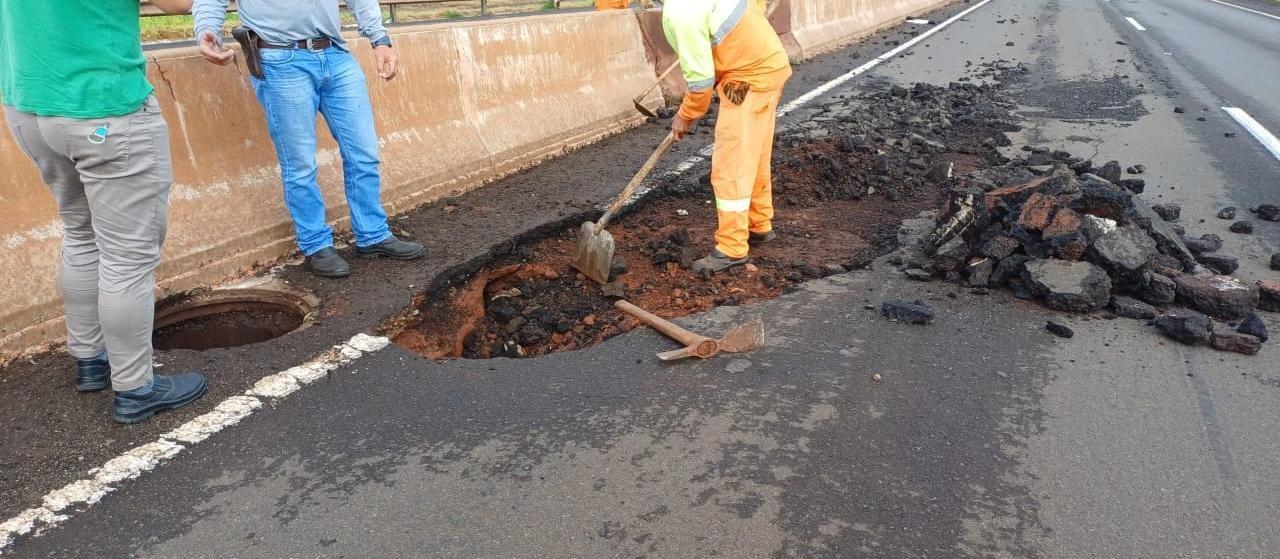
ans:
(111, 178)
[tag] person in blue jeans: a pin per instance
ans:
(307, 67)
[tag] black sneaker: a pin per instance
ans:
(757, 239)
(167, 392)
(393, 248)
(93, 375)
(715, 262)
(327, 263)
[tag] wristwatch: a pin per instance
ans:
(385, 41)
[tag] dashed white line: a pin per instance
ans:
(1263, 14)
(1256, 129)
(1135, 24)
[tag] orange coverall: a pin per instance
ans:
(742, 52)
(612, 4)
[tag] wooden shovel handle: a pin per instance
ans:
(660, 324)
(635, 182)
(658, 81)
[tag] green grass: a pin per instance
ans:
(178, 28)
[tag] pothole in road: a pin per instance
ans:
(229, 318)
(844, 180)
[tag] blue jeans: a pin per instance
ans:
(298, 83)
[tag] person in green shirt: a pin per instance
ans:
(77, 102)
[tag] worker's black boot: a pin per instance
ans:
(757, 239)
(93, 375)
(393, 248)
(715, 262)
(327, 263)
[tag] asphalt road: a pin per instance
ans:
(985, 437)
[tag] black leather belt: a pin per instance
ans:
(315, 43)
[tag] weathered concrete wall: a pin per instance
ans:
(822, 25)
(474, 101)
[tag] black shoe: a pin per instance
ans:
(327, 263)
(757, 239)
(393, 248)
(167, 392)
(93, 375)
(715, 262)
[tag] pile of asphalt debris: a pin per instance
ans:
(1081, 238)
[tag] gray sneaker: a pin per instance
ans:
(715, 262)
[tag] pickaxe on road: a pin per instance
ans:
(742, 338)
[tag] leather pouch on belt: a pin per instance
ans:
(252, 56)
(736, 92)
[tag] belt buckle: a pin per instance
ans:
(311, 44)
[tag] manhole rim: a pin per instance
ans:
(181, 308)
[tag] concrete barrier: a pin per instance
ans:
(823, 25)
(475, 101)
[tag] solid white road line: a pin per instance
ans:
(1252, 11)
(1259, 132)
(818, 91)
(1135, 24)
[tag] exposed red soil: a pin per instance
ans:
(535, 303)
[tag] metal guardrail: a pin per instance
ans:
(392, 5)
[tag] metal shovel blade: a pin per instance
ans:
(643, 109)
(744, 338)
(593, 255)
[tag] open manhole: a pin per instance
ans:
(229, 318)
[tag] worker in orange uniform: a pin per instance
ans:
(728, 46)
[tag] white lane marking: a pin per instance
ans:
(1263, 14)
(816, 92)
(1259, 132)
(1135, 24)
(58, 505)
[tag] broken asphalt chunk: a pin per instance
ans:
(1269, 295)
(1235, 342)
(1268, 212)
(1219, 296)
(910, 312)
(1220, 263)
(1058, 329)
(1253, 326)
(1068, 286)
(1243, 227)
(1168, 212)
(1128, 307)
(1186, 326)
(1227, 213)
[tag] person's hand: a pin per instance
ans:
(213, 51)
(388, 62)
(680, 127)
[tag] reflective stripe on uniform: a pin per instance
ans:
(733, 205)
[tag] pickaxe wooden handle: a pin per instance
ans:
(695, 345)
